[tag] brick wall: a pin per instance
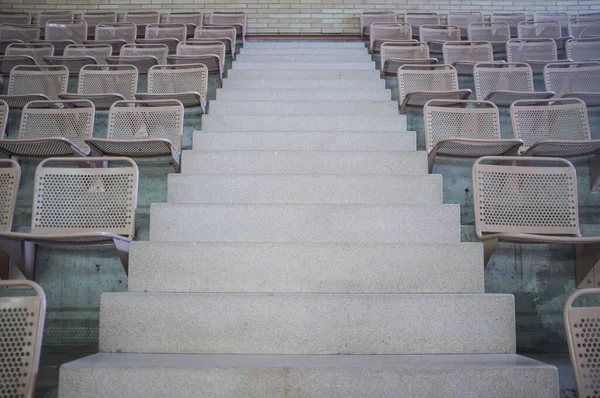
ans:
(303, 16)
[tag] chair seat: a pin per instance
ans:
(229, 45)
(189, 99)
(115, 44)
(476, 148)
(132, 148)
(171, 43)
(590, 99)
(212, 62)
(417, 99)
(142, 63)
(391, 65)
(83, 238)
(41, 147)
(563, 149)
(19, 101)
(504, 99)
(542, 239)
(102, 102)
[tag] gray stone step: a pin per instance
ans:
(331, 59)
(302, 65)
(304, 44)
(305, 94)
(307, 324)
(175, 222)
(373, 108)
(301, 376)
(305, 83)
(237, 123)
(292, 51)
(305, 267)
(306, 140)
(294, 73)
(304, 162)
(305, 189)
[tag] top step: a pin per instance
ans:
(333, 59)
(314, 51)
(366, 65)
(304, 44)
(295, 73)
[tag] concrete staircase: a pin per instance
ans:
(304, 251)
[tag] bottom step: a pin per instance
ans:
(347, 376)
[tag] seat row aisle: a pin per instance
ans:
(305, 251)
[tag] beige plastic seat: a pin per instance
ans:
(587, 49)
(8, 62)
(535, 52)
(143, 129)
(141, 19)
(22, 324)
(504, 83)
(238, 20)
(35, 51)
(416, 19)
(185, 83)
(209, 53)
(191, 20)
(32, 83)
(559, 16)
(98, 51)
(512, 19)
(418, 84)
(463, 55)
(10, 176)
(574, 79)
(224, 34)
(24, 33)
(463, 19)
(369, 17)
(160, 51)
(585, 28)
(104, 85)
(381, 32)
(74, 29)
(52, 128)
(45, 16)
(436, 35)
(94, 18)
(116, 34)
(464, 129)
(73, 63)
(396, 54)
(17, 18)
(497, 33)
(76, 205)
(539, 29)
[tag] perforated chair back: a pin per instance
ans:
(381, 32)
(166, 31)
(94, 18)
(141, 19)
(75, 30)
(463, 55)
(180, 79)
(36, 51)
(8, 62)
(116, 31)
(160, 51)
(416, 19)
(99, 51)
(213, 48)
(226, 34)
(47, 80)
(572, 77)
(24, 33)
(23, 324)
(141, 63)
(502, 77)
(238, 20)
(540, 29)
(512, 19)
(108, 79)
(561, 17)
(10, 176)
(73, 63)
(464, 19)
(45, 16)
(17, 18)
(523, 50)
(583, 49)
(369, 17)
(191, 20)
(585, 28)
(418, 78)
(498, 32)
(395, 54)
(429, 33)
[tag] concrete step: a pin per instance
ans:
(306, 140)
(305, 94)
(362, 123)
(304, 44)
(294, 73)
(175, 222)
(253, 65)
(372, 108)
(311, 51)
(300, 376)
(305, 267)
(331, 59)
(305, 189)
(305, 83)
(307, 324)
(304, 162)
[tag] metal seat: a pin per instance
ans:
(561, 17)
(463, 19)
(416, 19)
(116, 32)
(45, 16)
(8, 62)
(497, 33)
(141, 63)
(224, 34)
(104, 85)
(170, 43)
(238, 20)
(512, 19)
(587, 49)
(98, 51)
(74, 29)
(209, 53)
(94, 18)
(535, 52)
(143, 129)
(539, 30)
(59, 45)
(586, 16)
(73, 64)
(160, 51)
(464, 129)
(141, 19)
(17, 18)
(10, 176)
(185, 83)
(76, 205)
(32, 83)
(166, 31)
(463, 55)
(5, 43)
(36, 51)
(586, 28)
(24, 33)
(504, 83)
(418, 84)
(574, 79)
(396, 54)
(436, 35)
(382, 31)
(191, 20)
(52, 128)
(369, 17)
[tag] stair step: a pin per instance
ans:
(304, 44)
(305, 94)
(308, 51)
(347, 84)
(304, 162)
(305, 267)
(342, 107)
(362, 123)
(331, 59)
(305, 140)
(253, 65)
(294, 73)
(174, 222)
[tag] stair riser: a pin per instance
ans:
(302, 94)
(305, 83)
(294, 73)
(303, 45)
(332, 60)
(242, 65)
(304, 51)
(372, 108)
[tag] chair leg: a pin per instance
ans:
(489, 245)
(594, 165)
(22, 259)
(587, 265)
(123, 252)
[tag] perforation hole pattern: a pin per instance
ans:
(98, 52)
(488, 80)
(7, 63)
(582, 51)
(123, 32)
(215, 33)
(548, 29)
(108, 81)
(445, 122)
(381, 33)
(436, 80)
(579, 29)
(217, 49)
(143, 64)
(572, 80)
(472, 53)
(585, 330)
(65, 31)
(167, 81)
(44, 17)
(49, 83)
(23, 33)
(95, 19)
(16, 18)
(160, 53)
(36, 52)
(73, 64)
(166, 32)
(448, 34)
(221, 18)
(489, 32)
(8, 186)
(142, 18)
(532, 51)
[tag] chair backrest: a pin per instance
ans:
(47, 80)
(69, 199)
(116, 31)
(489, 31)
(522, 50)
(554, 119)
(18, 18)
(99, 51)
(108, 79)
(229, 18)
(561, 17)
(194, 18)
(413, 78)
(167, 79)
(36, 51)
(469, 51)
(382, 31)
(25, 33)
(404, 50)
(140, 120)
(583, 49)
(10, 176)
(369, 17)
(45, 16)
(539, 29)
(68, 119)
(460, 119)
(141, 63)
(166, 31)
(572, 77)
(73, 63)
(160, 51)
(203, 48)
(512, 18)
(94, 18)
(8, 62)
(585, 28)
(525, 195)
(429, 33)
(142, 17)
(23, 316)
(216, 32)
(500, 76)
(421, 18)
(73, 29)
(463, 19)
